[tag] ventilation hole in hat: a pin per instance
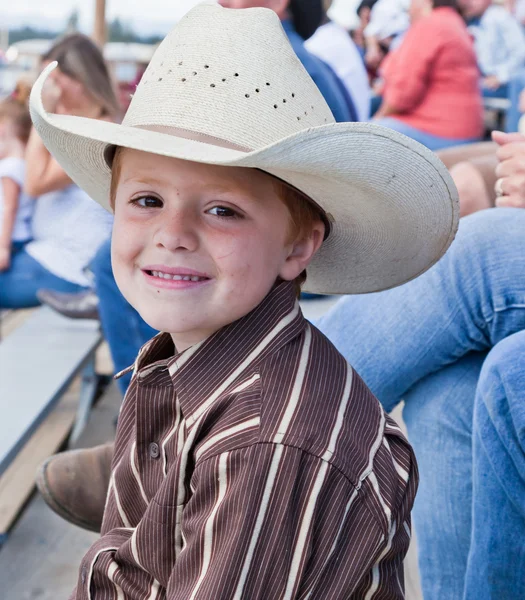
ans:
(312, 107)
(194, 73)
(180, 64)
(305, 114)
(183, 79)
(293, 95)
(275, 105)
(206, 66)
(223, 79)
(212, 85)
(170, 71)
(284, 100)
(236, 74)
(267, 83)
(160, 78)
(257, 90)
(246, 95)
(298, 118)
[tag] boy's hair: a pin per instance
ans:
(16, 111)
(303, 214)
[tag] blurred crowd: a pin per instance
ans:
(424, 68)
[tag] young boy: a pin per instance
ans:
(250, 460)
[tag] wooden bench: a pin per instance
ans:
(38, 363)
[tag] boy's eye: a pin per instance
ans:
(148, 202)
(223, 211)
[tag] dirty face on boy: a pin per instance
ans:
(196, 247)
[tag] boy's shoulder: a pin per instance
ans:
(312, 399)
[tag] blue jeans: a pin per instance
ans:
(425, 342)
(433, 142)
(20, 283)
(123, 328)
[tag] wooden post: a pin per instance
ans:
(99, 29)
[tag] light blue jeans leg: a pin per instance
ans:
(20, 283)
(469, 301)
(496, 566)
(438, 415)
(123, 327)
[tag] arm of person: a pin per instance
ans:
(407, 73)
(43, 173)
(269, 521)
(513, 37)
(511, 169)
(10, 194)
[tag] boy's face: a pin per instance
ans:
(196, 247)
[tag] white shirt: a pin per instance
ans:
(332, 44)
(500, 43)
(14, 168)
(68, 228)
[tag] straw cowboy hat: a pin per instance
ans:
(226, 88)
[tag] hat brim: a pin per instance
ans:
(394, 206)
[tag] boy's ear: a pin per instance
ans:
(302, 252)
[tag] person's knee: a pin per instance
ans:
(101, 263)
(501, 384)
(473, 194)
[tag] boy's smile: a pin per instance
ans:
(196, 247)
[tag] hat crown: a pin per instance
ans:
(228, 74)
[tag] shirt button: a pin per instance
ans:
(154, 450)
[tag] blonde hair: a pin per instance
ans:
(80, 58)
(304, 214)
(15, 110)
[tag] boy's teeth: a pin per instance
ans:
(162, 275)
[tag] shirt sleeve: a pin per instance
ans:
(271, 521)
(410, 67)
(513, 38)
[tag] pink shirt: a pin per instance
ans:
(432, 79)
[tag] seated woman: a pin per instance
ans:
(431, 81)
(67, 226)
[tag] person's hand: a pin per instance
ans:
(5, 258)
(51, 93)
(373, 56)
(491, 82)
(510, 186)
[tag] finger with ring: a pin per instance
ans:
(498, 188)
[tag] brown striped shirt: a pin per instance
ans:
(254, 465)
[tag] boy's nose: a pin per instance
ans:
(177, 232)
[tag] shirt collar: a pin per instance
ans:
(208, 368)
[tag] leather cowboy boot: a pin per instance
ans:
(74, 484)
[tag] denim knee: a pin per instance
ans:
(501, 389)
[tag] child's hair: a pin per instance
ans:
(16, 111)
(303, 213)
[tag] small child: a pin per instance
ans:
(250, 460)
(15, 206)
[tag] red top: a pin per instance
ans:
(432, 79)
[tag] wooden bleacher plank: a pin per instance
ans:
(37, 363)
(18, 481)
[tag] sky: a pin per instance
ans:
(151, 15)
